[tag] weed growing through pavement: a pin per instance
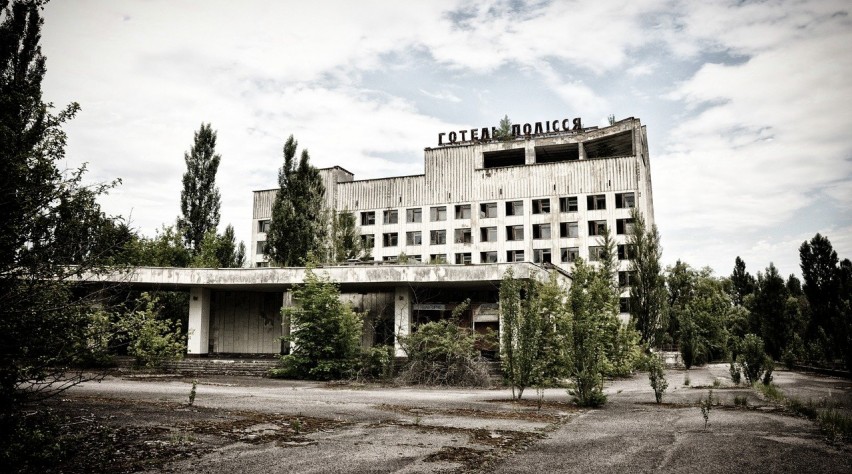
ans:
(741, 401)
(296, 425)
(706, 405)
(686, 379)
(192, 392)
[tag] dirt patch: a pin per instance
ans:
(111, 436)
(526, 415)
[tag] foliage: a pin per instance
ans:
(701, 306)
(219, 251)
(770, 311)
(504, 131)
(298, 225)
(647, 290)
(165, 249)
(657, 376)
(443, 353)
(377, 363)
(345, 238)
(326, 333)
(192, 392)
(529, 312)
(592, 303)
(736, 373)
(753, 358)
(44, 322)
(199, 199)
(706, 405)
(152, 340)
(742, 283)
(836, 424)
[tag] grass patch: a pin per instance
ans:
(836, 425)
(771, 392)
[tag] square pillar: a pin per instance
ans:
(198, 339)
(401, 316)
(286, 302)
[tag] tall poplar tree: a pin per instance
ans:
(298, 224)
(647, 289)
(199, 199)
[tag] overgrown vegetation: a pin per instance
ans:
(151, 339)
(754, 363)
(706, 406)
(657, 376)
(325, 332)
(444, 353)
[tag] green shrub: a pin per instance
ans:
(736, 374)
(152, 341)
(706, 405)
(835, 424)
(325, 332)
(443, 353)
(377, 363)
(741, 400)
(753, 358)
(657, 376)
(771, 392)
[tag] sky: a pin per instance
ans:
(748, 105)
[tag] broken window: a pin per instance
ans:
(569, 230)
(438, 213)
(392, 258)
(488, 210)
(624, 305)
(463, 259)
(557, 153)
(623, 226)
(488, 257)
(488, 234)
(541, 206)
(625, 200)
(568, 204)
(463, 211)
(515, 232)
(515, 208)
(416, 258)
(261, 247)
(596, 252)
(390, 239)
(569, 254)
(438, 258)
(501, 158)
(597, 228)
(414, 215)
(596, 202)
(437, 237)
(515, 256)
(368, 217)
(263, 226)
(625, 252)
(413, 238)
(541, 255)
(541, 231)
(620, 144)
(390, 217)
(626, 278)
(368, 241)
(463, 236)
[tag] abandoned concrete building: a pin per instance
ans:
(482, 207)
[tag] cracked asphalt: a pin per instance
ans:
(405, 429)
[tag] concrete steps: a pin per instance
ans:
(223, 366)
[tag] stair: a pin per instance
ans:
(223, 366)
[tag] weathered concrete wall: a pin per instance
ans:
(246, 322)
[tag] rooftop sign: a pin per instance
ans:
(526, 130)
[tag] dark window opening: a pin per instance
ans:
(568, 204)
(557, 153)
(596, 202)
(499, 159)
(614, 145)
(625, 200)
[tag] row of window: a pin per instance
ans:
(489, 209)
(489, 234)
(566, 255)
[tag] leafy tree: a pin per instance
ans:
(199, 199)
(592, 302)
(345, 238)
(742, 283)
(774, 320)
(220, 251)
(819, 264)
(647, 290)
(326, 333)
(753, 359)
(530, 312)
(151, 339)
(702, 309)
(165, 249)
(298, 226)
(657, 376)
(43, 323)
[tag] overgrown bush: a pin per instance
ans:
(657, 376)
(444, 353)
(753, 359)
(326, 333)
(151, 340)
(736, 374)
(377, 363)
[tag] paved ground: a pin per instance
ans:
(375, 429)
